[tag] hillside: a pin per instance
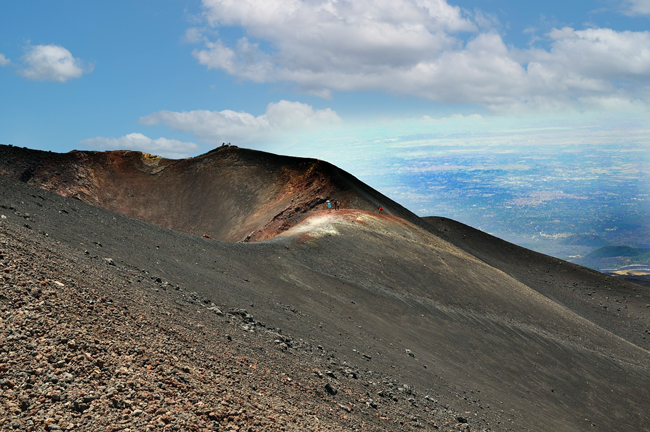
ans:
(612, 303)
(228, 194)
(415, 325)
(620, 251)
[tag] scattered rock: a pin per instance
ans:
(216, 310)
(331, 390)
(346, 408)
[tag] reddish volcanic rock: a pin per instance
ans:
(227, 194)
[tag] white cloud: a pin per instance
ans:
(601, 54)
(636, 7)
(172, 149)
(52, 63)
(415, 47)
(329, 37)
(248, 62)
(4, 61)
(288, 115)
(216, 127)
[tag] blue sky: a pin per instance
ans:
(359, 83)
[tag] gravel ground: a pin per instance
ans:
(84, 347)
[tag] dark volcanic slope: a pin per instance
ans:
(615, 304)
(95, 349)
(229, 193)
(404, 317)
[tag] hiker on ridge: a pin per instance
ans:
(329, 205)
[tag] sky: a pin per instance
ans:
(376, 87)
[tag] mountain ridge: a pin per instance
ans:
(228, 193)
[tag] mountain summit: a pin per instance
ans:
(229, 194)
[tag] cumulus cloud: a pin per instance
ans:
(425, 48)
(216, 127)
(328, 37)
(636, 7)
(168, 148)
(52, 63)
(4, 61)
(602, 54)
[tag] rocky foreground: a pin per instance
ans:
(88, 345)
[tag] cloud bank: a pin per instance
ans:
(168, 148)
(216, 127)
(424, 48)
(52, 63)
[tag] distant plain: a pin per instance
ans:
(567, 201)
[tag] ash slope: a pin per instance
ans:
(613, 303)
(367, 288)
(228, 194)
(89, 345)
